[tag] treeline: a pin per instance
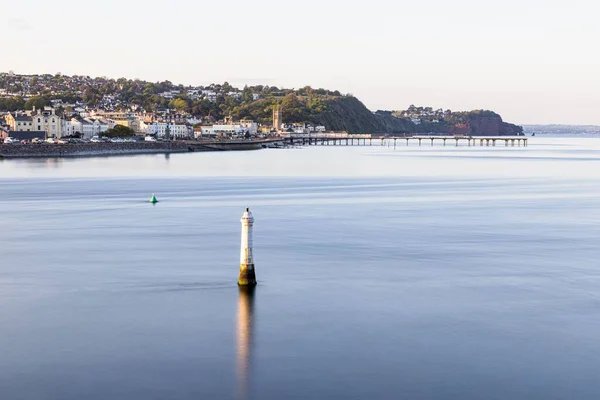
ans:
(429, 115)
(251, 102)
(19, 103)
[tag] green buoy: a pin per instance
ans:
(153, 199)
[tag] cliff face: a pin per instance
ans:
(511, 130)
(492, 126)
(349, 114)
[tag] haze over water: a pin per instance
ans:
(422, 273)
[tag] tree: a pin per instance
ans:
(292, 108)
(12, 104)
(37, 102)
(119, 131)
(179, 104)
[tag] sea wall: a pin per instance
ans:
(91, 149)
(113, 149)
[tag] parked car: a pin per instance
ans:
(36, 141)
(10, 140)
(50, 140)
(96, 139)
(150, 139)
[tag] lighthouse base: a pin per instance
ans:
(247, 276)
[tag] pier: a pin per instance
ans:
(370, 140)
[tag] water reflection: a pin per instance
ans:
(244, 340)
(41, 163)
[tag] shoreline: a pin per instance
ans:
(48, 150)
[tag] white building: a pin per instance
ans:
(194, 94)
(206, 130)
(160, 129)
(93, 127)
(230, 129)
(46, 120)
(170, 95)
(210, 95)
(250, 126)
(72, 126)
(87, 127)
(194, 121)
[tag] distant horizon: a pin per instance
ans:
(240, 85)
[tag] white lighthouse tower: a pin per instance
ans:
(247, 276)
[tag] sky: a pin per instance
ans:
(532, 61)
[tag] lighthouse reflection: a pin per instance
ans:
(244, 339)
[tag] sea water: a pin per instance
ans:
(414, 272)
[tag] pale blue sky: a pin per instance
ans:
(532, 61)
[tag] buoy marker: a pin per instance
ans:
(153, 199)
(247, 276)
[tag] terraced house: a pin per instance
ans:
(47, 121)
(21, 123)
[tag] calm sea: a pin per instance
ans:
(416, 273)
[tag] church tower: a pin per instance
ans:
(277, 118)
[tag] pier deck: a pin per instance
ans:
(370, 140)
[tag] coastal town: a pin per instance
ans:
(54, 109)
(48, 125)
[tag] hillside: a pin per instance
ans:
(213, 103)
(347, 113)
